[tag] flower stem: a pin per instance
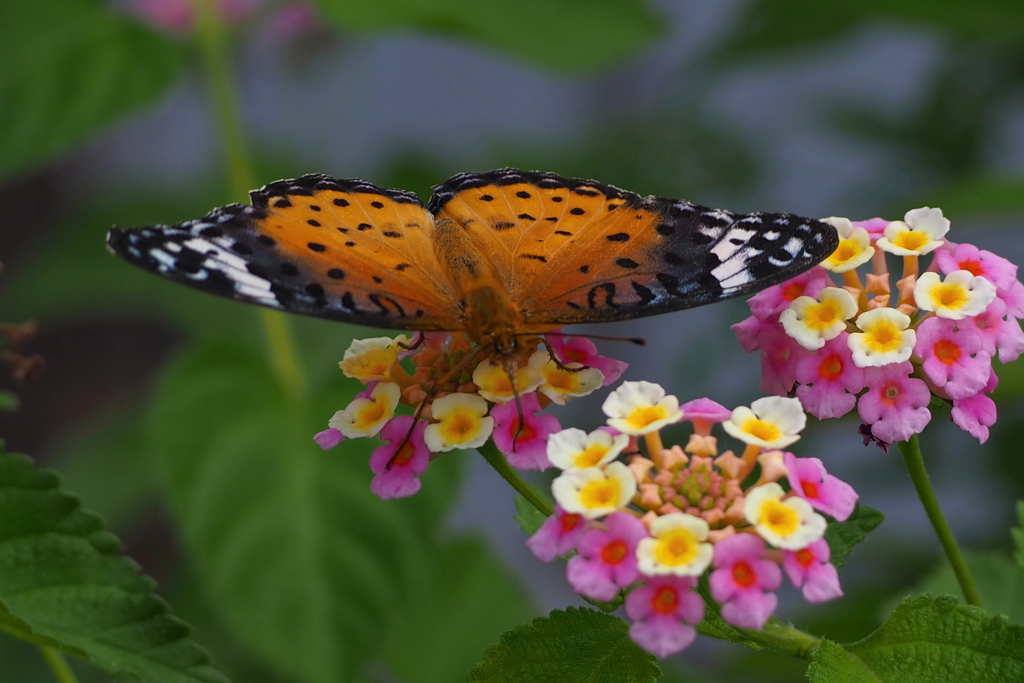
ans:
(773, 636)
(497, 460)
(58, 665)
(911, 450)
(225, 100)
(281, 347)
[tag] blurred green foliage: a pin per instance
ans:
(293, 572)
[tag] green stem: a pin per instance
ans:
(225, 100)
(915, 467)
(281, 347)
(58, 665)
(497, 460)
(788, 640)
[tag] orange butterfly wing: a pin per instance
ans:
(570, 250)
(340, 249)
(556, 250)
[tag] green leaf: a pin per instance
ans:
(575, 645)
(569, 35)
(928, 639)
(1018, 536)
(70, 68)
(473, 597)
(528, 517)
(305, 566)
(63, 582)
(842, 536)
(830, 663)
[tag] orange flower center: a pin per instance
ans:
(614, 552)
(665, 600)
(570, 521)
(970, 265)
(574, 356)
(793, 291)
(743, 574)
(805, 557)
(831, 367)
(947, 351)
(810, 489)
(526, 433)
(404, 454)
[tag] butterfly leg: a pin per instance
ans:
(510, 370)
(422, 336)
(435, 387)
(561, 366)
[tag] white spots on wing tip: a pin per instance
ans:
(710, 232)
(165, 259)
(256, 294)
(220, 259)
(726, 248)
(732, 273)
(794, 246)
(771, 235)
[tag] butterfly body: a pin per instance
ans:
(501, 256)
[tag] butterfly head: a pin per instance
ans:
(492, 321)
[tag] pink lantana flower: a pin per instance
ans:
(408, 458)
(748, 332)
(829, 379)
(704, 413)
(999, 333)
(528, 449)
(664, 611)
(329, 438)
(743, 581)
(1013, 297)
(952, 356)
(975, 414)
(995, 269)
(779, 356)
(606, 558)
(809, 570)
(583, 351)
(825, 492)
(874, 226)
(768, 303)
(558, 535)
(895, 404)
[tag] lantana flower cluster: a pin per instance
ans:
(837, 345)
(651, 526)
(459, 400)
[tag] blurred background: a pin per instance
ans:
(158, 406)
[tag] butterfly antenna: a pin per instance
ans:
(434, 388)
(639, 341)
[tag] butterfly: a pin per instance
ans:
(502, 256)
